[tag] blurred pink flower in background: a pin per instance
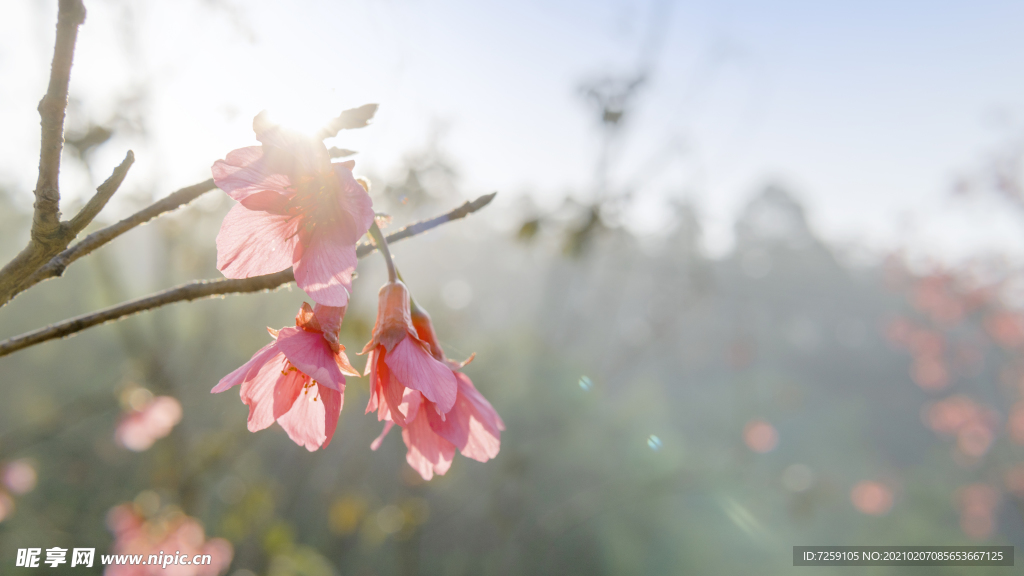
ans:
(936, 296)
(972, 424)
(296, 209)
(170, 533)
(298, 379)
(19, 477)
(143, 425)
(930, 373)
(760, 436)
(977, 504)
(1006, 328)
(871, 498)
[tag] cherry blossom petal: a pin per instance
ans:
(304, 422)
(356, 206)
(267, 201)
(258, 393)
(383, 377)
(247, 370)
(245, 172)
(333, 402)
(344, 365)
(371, 369)
(287, 390)
(472, 425)
(328, 318)
(377, 442)
(324, 266)
(253, 243)
(415, 368)
(403, 402)
(427, 452)
(309, 352)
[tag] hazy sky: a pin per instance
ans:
(866, 110)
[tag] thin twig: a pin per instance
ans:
(207, 288)
(56, 266)
(421, 227)
(103, 193)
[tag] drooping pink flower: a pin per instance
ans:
(141, 427)
(295, 208)
(399, 359)
(298, 379)
(172, 534)
(430, 435)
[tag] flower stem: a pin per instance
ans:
(382, 245)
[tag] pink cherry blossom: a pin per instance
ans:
(295, 208)
(395, 351)
(298, 379)
(140, 428)
(171, 533)
(472, 426)
(431, 434)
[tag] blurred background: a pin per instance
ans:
(752, 280)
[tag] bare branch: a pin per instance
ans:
(59, 263)
(100, 199)
(207, 288)
(421, 227)
(49, 235)
(17, 274)
(191, 291)
(46, 228)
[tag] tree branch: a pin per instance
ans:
(421, 227)
(49, 235)
(17, 274)
(46, 218)
(100, 198)
(207, 288)
(56, 266)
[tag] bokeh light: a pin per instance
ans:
(19, 477)
(653, 442)
(760, 436)
(872, 498)
(798, 478)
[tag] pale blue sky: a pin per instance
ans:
(867, 110)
